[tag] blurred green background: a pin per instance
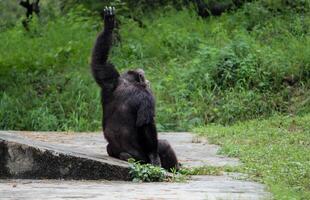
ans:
(251, 62)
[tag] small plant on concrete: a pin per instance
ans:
(204, 170)
(177, 176)
(146, 172)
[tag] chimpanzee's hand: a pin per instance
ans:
(109, 18)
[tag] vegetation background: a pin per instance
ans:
(247, 67)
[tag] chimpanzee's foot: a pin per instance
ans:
(155, 160)
(111, 151)
(125, 156)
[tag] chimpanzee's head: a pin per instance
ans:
(135, 76)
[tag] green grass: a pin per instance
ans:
(45, 80)
(275, 151)
(208, 170)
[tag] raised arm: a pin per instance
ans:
(104, 73)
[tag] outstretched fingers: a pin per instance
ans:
(109, 17)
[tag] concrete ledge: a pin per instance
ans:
(62, 155)
(22, 158)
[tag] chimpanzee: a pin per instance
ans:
(30, 9)
(128, 107)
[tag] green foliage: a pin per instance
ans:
(45, 83)
(10, 12)
(248, 64)
(146, 172)
(275, 151)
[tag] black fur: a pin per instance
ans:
(128, 107)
